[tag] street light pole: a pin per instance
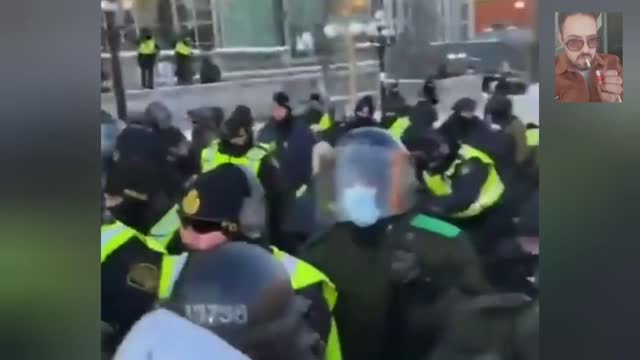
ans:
(381, 48)
(113, 37)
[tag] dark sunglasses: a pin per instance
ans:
(577, 44)
(201, 226)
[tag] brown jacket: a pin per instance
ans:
(570, 85)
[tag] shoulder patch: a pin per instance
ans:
(438, 226)
(145, 277)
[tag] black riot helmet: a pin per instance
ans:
(206, 122)
(241, 293)
(157, 115)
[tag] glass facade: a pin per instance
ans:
(306, 23)
(234, 23)
(245, 24)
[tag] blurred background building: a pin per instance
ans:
(283, 44)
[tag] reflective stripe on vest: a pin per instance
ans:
(399, 127)
(212, 158)
(303, 274)
(117, 234)
(491, 190)
(147, 47)
(171, 267)
(533, 137)
(323, 124)
(163, 231)
(182, 48)
(112, 237)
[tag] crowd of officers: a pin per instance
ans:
(322, 239)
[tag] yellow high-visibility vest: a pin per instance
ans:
(147, 47)
(491, 191)
(533, 137)
(164, 229)
(212, 158)
(113, 236)
(324, 123)
(182, 48)
(399, 126)
(301, 273)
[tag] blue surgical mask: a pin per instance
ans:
(359, 205)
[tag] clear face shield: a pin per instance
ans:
(373, 178)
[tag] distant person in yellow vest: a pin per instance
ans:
(236, 145)
(183, 52)
(147, 55)
(420, 117)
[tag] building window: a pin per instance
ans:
(196, 17)
(306, 23)
(464, 31)
(244, 24)
(464, 11)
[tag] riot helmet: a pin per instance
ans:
(243, 294)
(373, 177)
(157, 115)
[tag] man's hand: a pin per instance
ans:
(611, 87)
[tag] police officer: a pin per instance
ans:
(147, 54)
(183, 53)
(394, 267)
(533, 141)
(139, 197)
(421, 117)
(292, 142)
(205, 123)
(160, 118)
(464, 187)
(225, 205)
(503, 325)
(363, 116)
(318, 118)
(394, 106)
(238, 146)
(500, 112)
(231, 300)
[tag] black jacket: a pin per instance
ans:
(500, 326)
(478, 134)
(375, 314)
(124, 277)
(293, 141)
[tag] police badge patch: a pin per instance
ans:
(145, 277)
(191, 202)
